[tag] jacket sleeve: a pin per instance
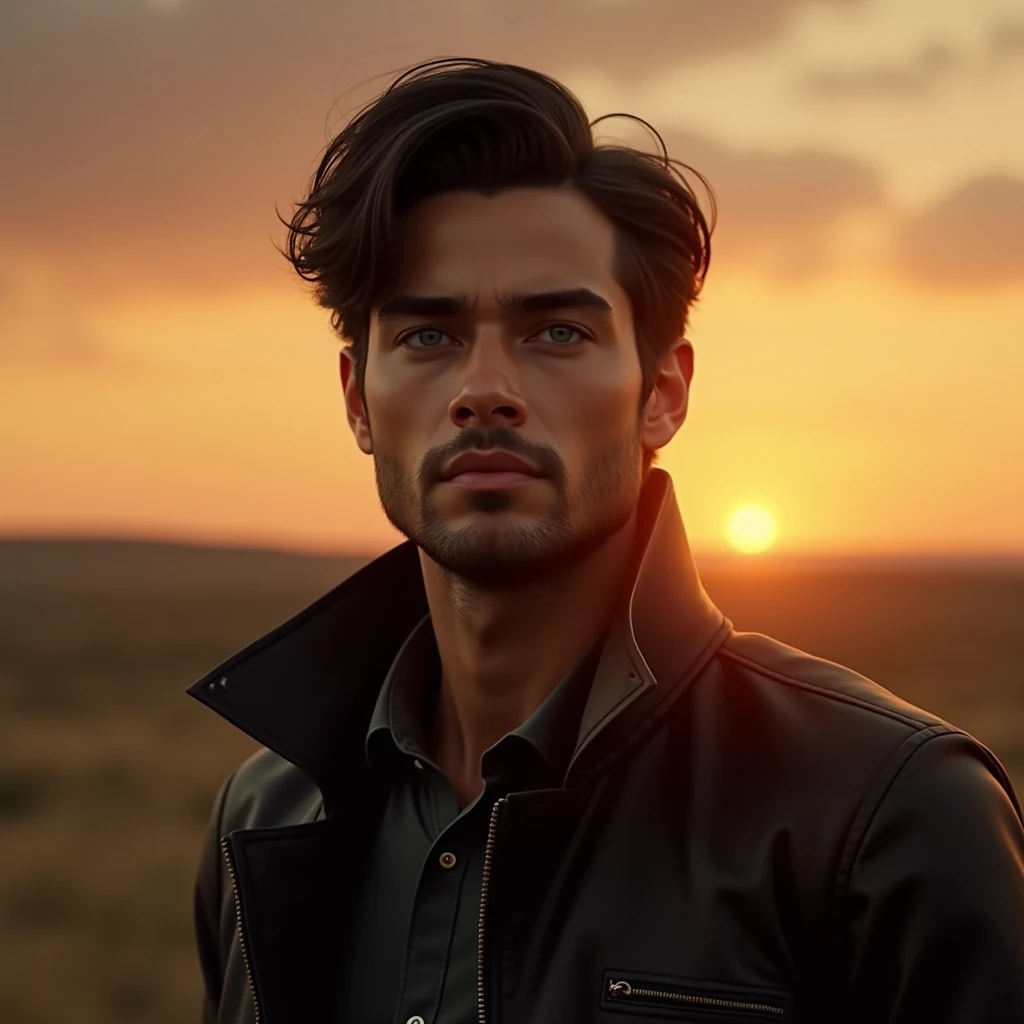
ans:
(935, 900)
(207, 901)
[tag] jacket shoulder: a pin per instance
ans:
(809, 677)
(839, 744)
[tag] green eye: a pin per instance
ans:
(560, 334)
(433, 337)
(430, 337)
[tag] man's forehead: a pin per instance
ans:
(491, 250)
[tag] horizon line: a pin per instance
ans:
(368, 553)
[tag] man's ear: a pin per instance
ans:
(355, 406)
(668, 402)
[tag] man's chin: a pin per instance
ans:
(491, 552)
(505, 561)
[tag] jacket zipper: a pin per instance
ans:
(625, 990)
(225, 846)
(481, 984)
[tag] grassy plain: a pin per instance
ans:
(108, 771)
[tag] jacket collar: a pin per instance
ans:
(308, 688)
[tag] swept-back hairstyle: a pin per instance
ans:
(467, 124)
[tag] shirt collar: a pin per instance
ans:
(409, 693)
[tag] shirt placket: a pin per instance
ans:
(438, 894)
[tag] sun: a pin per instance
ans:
(751, 529)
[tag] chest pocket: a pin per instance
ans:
(684, 999)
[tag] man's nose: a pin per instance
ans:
(489, 392)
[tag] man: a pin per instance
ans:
(520, 768)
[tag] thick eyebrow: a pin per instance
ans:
(421, 305)
(527, 302)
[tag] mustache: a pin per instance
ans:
(490, 439)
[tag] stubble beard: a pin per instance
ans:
(504, 554)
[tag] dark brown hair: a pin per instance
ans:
(467, 124)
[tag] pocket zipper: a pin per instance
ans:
(626, 991)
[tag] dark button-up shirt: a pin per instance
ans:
(412, 951)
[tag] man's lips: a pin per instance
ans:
(492, 481)
(495, 463)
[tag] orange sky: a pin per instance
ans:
(858, 344)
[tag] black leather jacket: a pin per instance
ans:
(746, 833)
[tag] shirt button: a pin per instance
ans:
(419, 764)
(447, 860)
(415, 1020)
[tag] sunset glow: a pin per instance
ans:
(752, 529)
(163, 373)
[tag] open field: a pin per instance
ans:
(107, 769)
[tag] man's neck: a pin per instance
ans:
(502, 653)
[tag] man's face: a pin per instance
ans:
(475, 370)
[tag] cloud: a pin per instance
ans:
(1006, 40)
(45, 320)
(776, 209)
(149, 142)
(921, 74)
(39, 325)
(146, 144)
(932, 65)
(973, 236)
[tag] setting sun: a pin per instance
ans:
(751, 529)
